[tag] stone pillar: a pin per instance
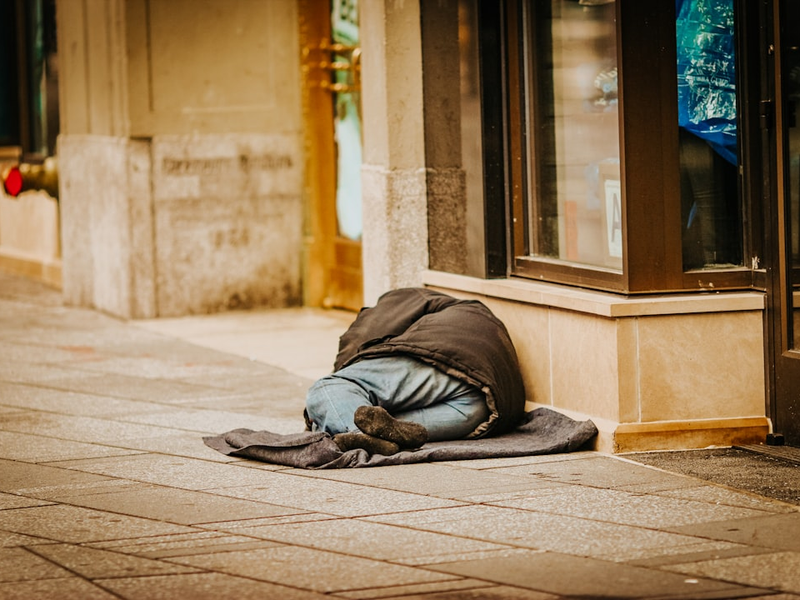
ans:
(395, 239)
(414, 189)
(180, 155)
(445, 176)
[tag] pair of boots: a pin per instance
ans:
(381, 433)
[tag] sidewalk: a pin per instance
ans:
(107, 490)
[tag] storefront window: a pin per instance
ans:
(707, 117)
(622, 165)
(573, 79)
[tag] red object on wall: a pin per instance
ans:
(12, 182)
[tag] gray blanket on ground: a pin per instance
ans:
(541, 431)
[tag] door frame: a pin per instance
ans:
(332, 274)
(783, 360)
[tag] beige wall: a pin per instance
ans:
(180, 154)
(92, 65)
(208, 66)
(652, 373)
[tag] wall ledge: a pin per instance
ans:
(602, 304)
(45, 270)
(619, 438)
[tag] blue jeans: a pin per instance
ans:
(408, 389)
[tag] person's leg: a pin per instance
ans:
(331, 403)
(447, 407)
(407, 388)
(451, 419)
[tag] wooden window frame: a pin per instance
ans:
(651, 212)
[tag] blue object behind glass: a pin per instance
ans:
(706, 73)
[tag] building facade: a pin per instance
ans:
(617, 180)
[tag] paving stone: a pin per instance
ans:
(539, 531)
(183, 544)
(275, 424)
(54, 589)
(539, 491)
(489, 593)
(207, 367)
(686, 554)
(448, 590)
(39, 449)
(53, 400)
(492, 464)
(775, 570)
(616, 506)
(18, 477)
(434, 479)
(18, 564)
(79, 429)
(593, 470)
(178, 472)
(668, 483)
(776, 597)
(301, 352)
(207, 421)
(205, 586)
(316, 570)
(720, 495)
(131, 387)
(73, 524)
(9, 539)
(286, 394)
(23, 352)
(282, 403)
(265, 320)
(172, 442)
(43, 374)
(67, 492)
(370, 540)
(241, 527)
(780, 532)
(14, 501)
(93, 563)
(177, 506)
(584, 577)
(332, 497)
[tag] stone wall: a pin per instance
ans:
(181, 225)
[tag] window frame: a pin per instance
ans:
(33, 144)
(652, 259)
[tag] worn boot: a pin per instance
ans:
(376, 421)
(373, 445)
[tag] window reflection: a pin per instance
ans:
(711, 213)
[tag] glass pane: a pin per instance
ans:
(347, 118)
(577, 209)
(710, 201)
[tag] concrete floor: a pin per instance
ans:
(107, 491)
